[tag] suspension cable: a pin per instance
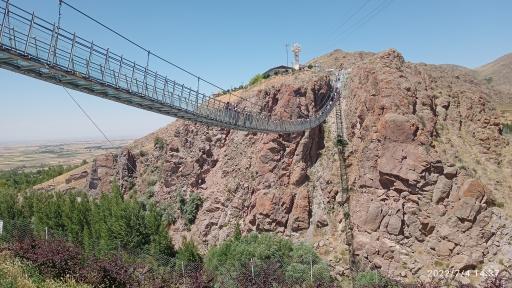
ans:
(158, 56)
(98, 128)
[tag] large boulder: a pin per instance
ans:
(404, 161)
(473, 188)
(466, 209)
(270, 210)
(376, 213)
(398, 128)
(395, 224)
(299, 218)
(442, 189)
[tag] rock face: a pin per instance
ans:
(425, 163)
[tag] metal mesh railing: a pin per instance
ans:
(33, 44)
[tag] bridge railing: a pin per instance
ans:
(47, 44)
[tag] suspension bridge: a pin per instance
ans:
(44, 50)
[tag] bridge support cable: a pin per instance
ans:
(149, 53)
(94, 123)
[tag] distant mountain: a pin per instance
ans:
(498, 73)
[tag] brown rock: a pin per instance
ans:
(299, 175)
(467, 261)
(301, 212)
(406, 161)
(270, 210)
(461, 263)
(441, 190)
(450, 172)
(444, 248)
(466, 209)
(321, 222)
(77, 176)
(375, 214)
(397, 128)
(394, 225)
(473, 188)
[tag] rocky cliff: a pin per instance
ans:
(428, 169)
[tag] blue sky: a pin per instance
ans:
(227, 42)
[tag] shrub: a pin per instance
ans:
(256, 254)
(113, 272)
(341, 142)
(16, 273)
(142, 153)
(500, 280)
(98, 225)
(507, 128)
(19, 180)
(56, 258)
(188, 253)
(159, 143)
(256, 79)
(373, 279)
(189, 207)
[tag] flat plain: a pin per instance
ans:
(33, 156)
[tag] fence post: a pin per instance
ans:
(46, 233)
(311, 267)
(1, 227)
(252, 269)
(183, 269)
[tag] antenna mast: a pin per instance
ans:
(296, 51)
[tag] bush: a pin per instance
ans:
(159, 143)
(234, 259)
(341, 142)
(256, 79)
(113, 272)
(373, 279)
(16, 273)
(188, 253)
(55, 259)
(189, 207)
(507, 128)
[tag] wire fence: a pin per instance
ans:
(54, 254)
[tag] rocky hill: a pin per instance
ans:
(428, 169)
(498, 73)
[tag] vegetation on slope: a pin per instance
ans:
(17, 179)
(98, 226)
(16, 273)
